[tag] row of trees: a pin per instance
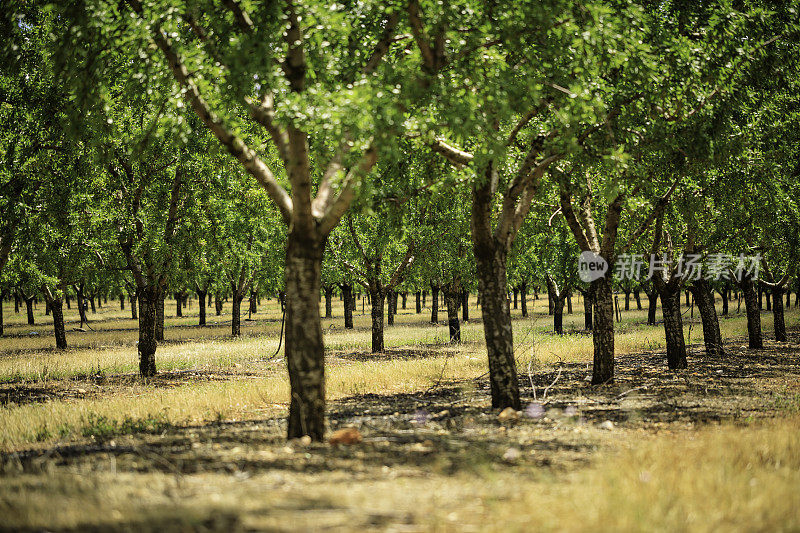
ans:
(380, 131)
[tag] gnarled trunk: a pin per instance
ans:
(305, 353)
(712, 337)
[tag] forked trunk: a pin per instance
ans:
(777, 314)
(452, 298)
(305, 352)
(497, 330)
(712, 337)
(753, 313)
(376, 297)
(603, 332)
(148, 301)
(673, 328)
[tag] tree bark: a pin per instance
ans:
(627, 300)
(497, 330)
(56, 306)
(724, 294)
(452, 298)
(160, 314)
(16, 303)
(777, 314)
(328, 301)
(587, 309)
(29, 310)
(516, 297)
(391, 296)
(178, 307)
(418, 296)
(404, 296)
(673, 328)
(558, 315)
(638, 298)
(712, 338)
(347, 296)
(253, 303)
(1, 314)
(148, 302)
(753, 313)
(218, 304)
(305, 353)
(377, 298)
(236, 313)
(201, 298)
(434, 304)
(465, 306)
(652, 304)
(121, 302)
(603, 332)
(523, 293)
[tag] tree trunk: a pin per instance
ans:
(712, 337)
(46, 308)
(418, 295)
(56, 306)
(638, 298)
(148, 302)
(777, 314)
(434, 304)
(404, 296)
(497, 328)
(391, 296)
(121, 302)
(465, 306)
(218, 304)
(236, 313)
(673, 329)
(768, 297)
(1, 315)
(587, 309)
(132, 297)
(516, 296)
(603, 332)
(253, 303)
(627, 300)
(29, 310)
(347, 296)
(652, 303)
(67, 300)
(753, 313)
(328, 302)
(452, 298)
(160, 314)
(91, 304)
(16, 303)
(523, 294)
(724, 294)
(377, 298)
(424, 297)
(178, 301)
(550, 307)
(305, 352)
(210, 297)
(201, 298)
(558, 315)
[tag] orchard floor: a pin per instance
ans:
(87, 445)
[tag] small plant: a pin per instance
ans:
(102, 427)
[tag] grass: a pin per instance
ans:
(203, 448)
